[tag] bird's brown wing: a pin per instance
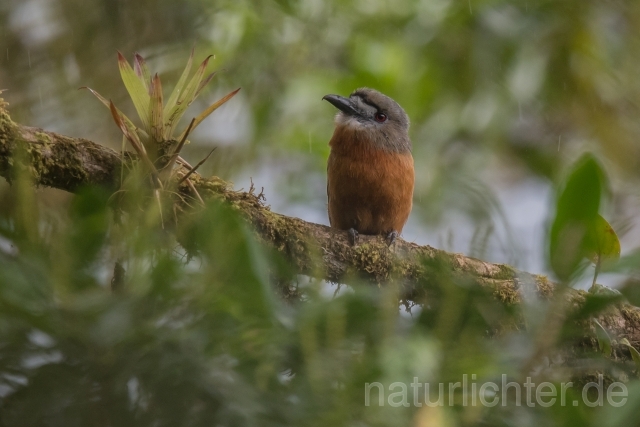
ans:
(329, 192)
(370, 190)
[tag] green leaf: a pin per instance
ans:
(157, 124)
(135, 142)
(185, 99)
(604, 340)
(126, 131)
(576, 212)
(88, 228)
(137, 91)
(97, 95)
(634, 353)
(602, 241)
(178, 89)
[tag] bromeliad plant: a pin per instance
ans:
(155, 141)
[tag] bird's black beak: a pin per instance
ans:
(343, 104)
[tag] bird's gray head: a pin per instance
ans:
(370, 114)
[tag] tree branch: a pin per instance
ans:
(68, 163)
(316, 250)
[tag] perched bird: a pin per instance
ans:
(370, 173)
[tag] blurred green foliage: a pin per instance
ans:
(576, 213)
(204, 337)
(499, 92)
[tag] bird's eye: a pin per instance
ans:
(380, 117)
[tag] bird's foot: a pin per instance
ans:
(352, 235)
(391, 237)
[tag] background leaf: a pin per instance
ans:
(576, 213)
(604, 340)
(635, 355)
(602, 241)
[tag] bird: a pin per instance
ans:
(370, 172)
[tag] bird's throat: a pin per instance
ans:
(357, 139)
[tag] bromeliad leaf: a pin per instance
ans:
(204, 83)
(126, 131)
(185, 98)
(137, 91)
(127, 121)
(142, 71)
(97, 95)
(156, 119)
(213, 107)
(159, 119)
(135, 142)
(178, 89)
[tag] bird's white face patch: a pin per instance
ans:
(344, 120)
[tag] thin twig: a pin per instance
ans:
(176, 152)
(338, 285)
(117, 281)
(156, 193)
(192, 171)
(180, 196)
(184, 163)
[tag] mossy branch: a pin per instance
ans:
(68, 163)
(316, 250)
